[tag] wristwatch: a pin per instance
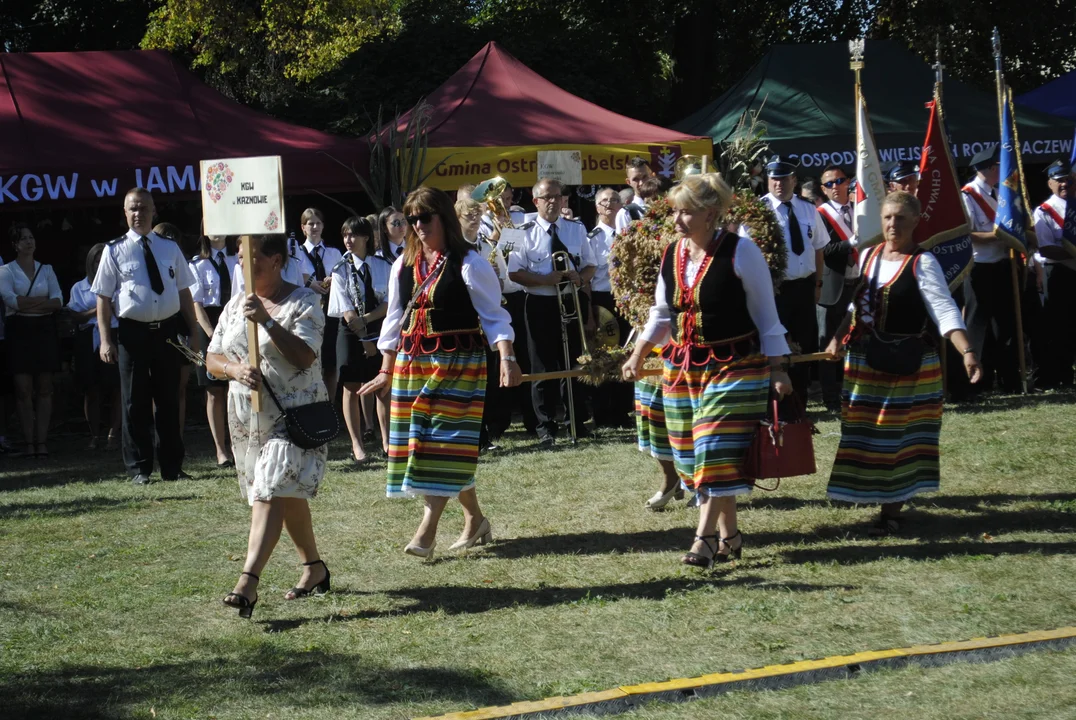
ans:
(268, 324)
(968, 350)
(508, 358)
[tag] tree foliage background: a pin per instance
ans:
(331, 64)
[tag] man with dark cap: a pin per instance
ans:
(805, 235)
(989, 309)
(839, 275)
(1055, 228)
(902, 175)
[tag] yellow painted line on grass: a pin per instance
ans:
(633, 694)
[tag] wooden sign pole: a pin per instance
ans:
(253, 348)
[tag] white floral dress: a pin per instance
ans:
(268, 463)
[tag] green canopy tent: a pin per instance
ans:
(807, 96)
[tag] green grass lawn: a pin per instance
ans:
(110, 595)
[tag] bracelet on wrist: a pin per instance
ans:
(508, 358)
(384, 372)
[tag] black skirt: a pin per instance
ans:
(32, 344)
(328, 343)
(355, 365)
(90, 370)
(204, 380)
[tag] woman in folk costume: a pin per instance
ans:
(442, 297)
(724, 350)
(891, 412)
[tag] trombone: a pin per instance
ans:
(568, 304)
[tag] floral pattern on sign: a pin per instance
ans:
(218, 177)
(272, 223)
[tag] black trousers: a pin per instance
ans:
(1058, 337)
(831, 374)
(796, 309)
(547, 355)
(149, 376)
(613, 402)
(519, 397)
(990, 315)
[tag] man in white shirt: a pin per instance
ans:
(805, 235)
(533, 266)
(638, 172)
(839, 275)
(1057, 245)
(613, 401)
(154, 305)
(989, 308)
(514, 302)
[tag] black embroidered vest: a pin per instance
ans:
(445, 309)
(898, 307)
(717, 311)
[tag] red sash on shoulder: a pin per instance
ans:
(1049, 210)
(835, 221)
(971, 192)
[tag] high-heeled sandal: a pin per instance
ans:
(733, 552)
(660, 499)
(483, 535)
(698, 560)
(244, 604)
(320, 589)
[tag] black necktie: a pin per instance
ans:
(225, 278)
(795, 234)
(398, 251)
(846, 215)
(993, 194)
(155, 281)
(319, 264)
(369, 299)
(556, 245)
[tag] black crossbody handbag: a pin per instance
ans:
(888, 352)
(309, 426)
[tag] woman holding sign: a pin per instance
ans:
(442, 296)
(276, 477)
(892, 399)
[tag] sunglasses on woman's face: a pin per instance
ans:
(397, 223)
(835, 183)
(423, 218)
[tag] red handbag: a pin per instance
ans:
(781, 449)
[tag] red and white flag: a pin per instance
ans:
(870, 188)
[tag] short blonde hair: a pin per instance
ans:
(309, 214)
(465, 206)
(904, 199)
(702, 192)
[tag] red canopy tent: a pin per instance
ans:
(494, 116)
(83, 126)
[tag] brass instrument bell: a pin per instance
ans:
(687, 165)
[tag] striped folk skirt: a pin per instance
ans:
(889, 432)
(650, 427)
(711, 412)
(435, 421)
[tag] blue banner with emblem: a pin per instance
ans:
(1011, 220)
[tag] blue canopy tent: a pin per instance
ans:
(1057, 97)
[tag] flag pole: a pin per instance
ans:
(856, 48)
(939, 72)
(999, 73)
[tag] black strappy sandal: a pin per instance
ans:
(701, 561)
(244, 604)
(320, 589)
(733, 553)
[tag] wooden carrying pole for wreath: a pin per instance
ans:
(649, 372)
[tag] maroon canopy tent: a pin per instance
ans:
(494, 115)
(84, 126)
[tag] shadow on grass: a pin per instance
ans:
(205, 687)
(969, 503)
(81, 506)
(991, 403)
(604, 543)
(856, 554)
(460, 600)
